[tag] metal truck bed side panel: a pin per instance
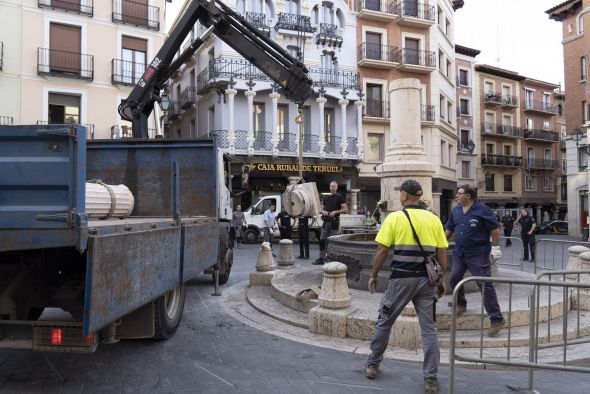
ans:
(42, 176)
(201, 245)
(125, 271)
(145, 167)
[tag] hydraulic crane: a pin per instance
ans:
(289, 73)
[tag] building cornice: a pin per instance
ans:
(561, 11)
(462, 50)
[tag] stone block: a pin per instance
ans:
(262, 278)
(286, 258)
(328, 321)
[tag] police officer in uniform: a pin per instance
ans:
(527, 234)
(303, 232)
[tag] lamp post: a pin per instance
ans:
(577, 136)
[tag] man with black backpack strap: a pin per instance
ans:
(409, 278)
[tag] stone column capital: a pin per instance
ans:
(343, 102)
(250, 93)
(321, 100)
(359, 104)
(231, 92)
(274, 96)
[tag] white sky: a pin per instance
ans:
(512, 34)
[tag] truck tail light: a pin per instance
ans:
(56, 336)
(63, 338)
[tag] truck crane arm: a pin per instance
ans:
(232, 28)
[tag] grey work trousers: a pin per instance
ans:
(399, 292)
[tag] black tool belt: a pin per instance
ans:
(402, 273)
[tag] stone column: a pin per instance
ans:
(574, 263)
(275, 130)
(250, 95)
(584, 299)
(353, 194)
(286, 258)
(405, 158)
(360, 133)
(344, 143)
(322, 139)
(436, 203)
(231, 131)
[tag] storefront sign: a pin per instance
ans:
(273, 167)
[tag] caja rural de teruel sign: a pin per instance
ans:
(274, 167)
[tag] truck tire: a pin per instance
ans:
(250, 236)
(168, 311)
(226, 260)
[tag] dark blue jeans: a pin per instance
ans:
(478, 266)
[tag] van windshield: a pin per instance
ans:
(262, 204)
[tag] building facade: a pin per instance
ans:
(73, 61)
(574, 15)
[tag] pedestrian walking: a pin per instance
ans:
(303, 232)
(527, 234)
(473, 223)
(333, 206)
(508, 223)
(285, 226)
(238, 220)
(269, 223)
(409, 280)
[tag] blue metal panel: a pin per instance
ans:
(145, 167)
(42, 186)
(126, 271)
(200, 248)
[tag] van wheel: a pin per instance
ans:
(250, 236)
(168, 311)
(226, 260)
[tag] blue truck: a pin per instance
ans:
(112, 278)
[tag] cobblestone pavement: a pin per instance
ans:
(213, 353)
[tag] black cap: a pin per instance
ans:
(411, 187)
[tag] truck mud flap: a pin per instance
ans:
(201, 246)
(126, 271)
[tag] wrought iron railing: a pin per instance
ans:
(287, 142)
(334, 145)
(351, 147)
(542, 164)
(241, 140)
(89, 127)
(65, 64)
(6, 120)
(311, 143)
(534, 105)
(258, 20)
(376, 5)
(138, 14)
(188, 97)
(510, 131)
(418, 57)
(492, 98)
(173, 110)
(370, 51)
(428, 113)
(541, 135)
(85, 7)
(415, 10)
(334, 79)
(125, 72)
(295, 22)
(328, 35)
(376, 108)
(222, 138)
(509, 101)
(262, 140)
(501, 160)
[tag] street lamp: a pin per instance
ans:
(577, 136)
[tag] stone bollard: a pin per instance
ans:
(584, 300)
(264, 267)
(286, 258)
(573, 263)
(330, 316)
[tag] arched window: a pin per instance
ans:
(315, 15)
(327, 12)
(262, 7)
(339, 19)
(292, 7)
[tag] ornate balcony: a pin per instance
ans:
(262, 140)
(328, 36)
(137, 14)
(376, 109)
(83, 7)
(501, 160)
(539, 107)
(542, 164)
(492, 99)
(428, 113)
(492, 129)
(334, 145)
(333, 79)
(259, 21)
(415, 60)
(174, 110)
(351, 146)
(311, 143)
(509, 101)
(241, 140)
(378, 56)
(188, 97)
(221, 136)
(294, 22)
(541, 135)
(126, 73)
(377, 10)
(287, 142)
(65, 64)
(414, 14)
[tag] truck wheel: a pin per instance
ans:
(250, 236)
(168, 311)
(226, 260)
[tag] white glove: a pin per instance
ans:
(496, 253)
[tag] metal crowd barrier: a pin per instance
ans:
(552, 254)
(534, 345)
(512, 255)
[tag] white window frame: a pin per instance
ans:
(530, 183)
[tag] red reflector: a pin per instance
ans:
(56, 336)
(89, 339)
